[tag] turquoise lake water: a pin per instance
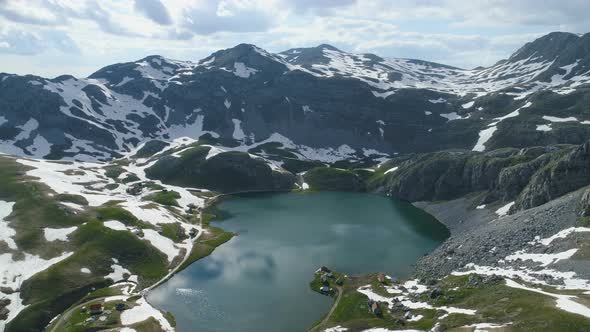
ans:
(258, 281)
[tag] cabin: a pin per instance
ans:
(325, 269)
(325, 289)
(135, 189)
(192, 233)
(96, 309)
(381, 278)
(190, 209)
(376, 309)
(137, 231)
(324, 279)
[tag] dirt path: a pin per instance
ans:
(325, 320)
(63, 318)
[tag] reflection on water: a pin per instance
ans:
(258, 281)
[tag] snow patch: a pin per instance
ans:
(544, 127)
(6, 233)
(484, 137)
(393, 169)
(504, 209)
(241, 70)
(437, 101)
(238, 133)
(142, 311)
(161, 243)
(452, 116)
(468, 105)
(557, 119)
(61, 234)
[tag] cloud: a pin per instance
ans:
(25, 43)
(227, 16)
(455, 32)
(31, 13)
(301, 6)
(154, 10)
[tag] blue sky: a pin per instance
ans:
(53, 37)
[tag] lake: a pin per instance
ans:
(259, 280)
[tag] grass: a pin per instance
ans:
(76, 321)
(174, 232)
(213, 212)
(168, 198)
(110, 211)
(102, 292)
(206, 244)
(352, 310)
(151, 148)
(494, 302)
(130, 178)
(148, 325)
(77, 199)
(54, 290)
(33, 210)
(225, 172)
(333, 179)
(113, 171)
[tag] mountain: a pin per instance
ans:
(107, 180)
(314, 98)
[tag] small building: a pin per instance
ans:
(120, 306)
(192, 233)
(381, 278)
(339, 281)
(325, 289)
(325, 269)
(324, 279)
(135, 189)
(137, 231)
(376, 309)
(96, 309)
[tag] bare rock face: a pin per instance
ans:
(3, 310)
(566, 174)
(584, 204)
(530, 177)
(225, 172)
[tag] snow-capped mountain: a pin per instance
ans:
(317, 101)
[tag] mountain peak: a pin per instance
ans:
(547, 47)
(251, 57)
(327, 47)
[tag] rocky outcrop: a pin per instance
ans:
(225, 172)
(584, 205)
(491, 241)
(333, 179)
(557, 178)
(530, 177)
(450, 174)
(513, 179)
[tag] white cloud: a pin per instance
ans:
(454, 32)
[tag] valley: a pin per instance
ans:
(122, 194)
